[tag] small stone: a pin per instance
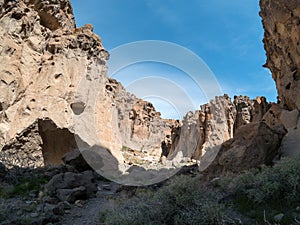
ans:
(278, 217)
(106, 187)
(67, 205)
(33, 193)
(163, 160)
(34, 215)
(59, 209)
(40, 195)
(79, 203)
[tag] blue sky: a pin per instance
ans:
(227, 35)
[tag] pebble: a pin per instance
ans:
(79, 203)
(19, 213)
(34, 215)
(278, 217)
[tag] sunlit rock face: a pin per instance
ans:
(43, 57)
(281, 21)
(54, 84)
(55, 97)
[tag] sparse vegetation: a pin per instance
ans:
(24, 185)
(254, 197)
(134, 157)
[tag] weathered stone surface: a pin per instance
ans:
(139, 126)
(291, 142)
(42, 59)
(202, 133)
(72, 186)
(24, 150)
(281, 23)
(254, 144)
(71, 195)
(281, 41)
(205, 130)
(76, 160)
(55, 97)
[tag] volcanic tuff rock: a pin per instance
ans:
(254, 144)
(50, 73)
(281, 21)
(216, 122)
(55, 95)
(140, 126)
(42, 59)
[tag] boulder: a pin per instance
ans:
(76, 160)
(71, 186)
(254, 144)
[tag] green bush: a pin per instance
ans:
(253, 197)
(179, 202)
(24, 185)
(272, 184)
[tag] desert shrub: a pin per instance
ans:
(253, 197)
(179, 202)
(271, 184)
(24, 184)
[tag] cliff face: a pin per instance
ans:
(202, 133)
(281, 21)
(45, 61)
(54, 92)
(42, 58)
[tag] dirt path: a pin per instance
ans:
(88, 213)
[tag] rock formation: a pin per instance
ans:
(281, 21)
(43, 57)
(216, 122)
(258, 143)
(55, 97)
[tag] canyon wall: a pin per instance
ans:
(53, 75)
(281, 22)
(55, 97)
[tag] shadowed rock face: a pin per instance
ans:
(281, 21)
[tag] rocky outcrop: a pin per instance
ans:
(45, 61)
(55, 97)
(140, 126)
(281, 21)
(202, 133)
(204, 130)
(254, 144)
(71, 186)
(42, 59)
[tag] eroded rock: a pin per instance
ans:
(281, 21)
(254, 144)
(71, 186)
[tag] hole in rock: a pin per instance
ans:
(56, 142)
(78, 107)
